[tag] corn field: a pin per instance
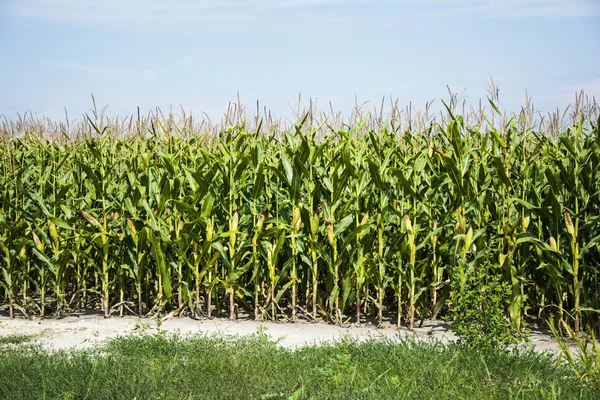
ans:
(326, 218)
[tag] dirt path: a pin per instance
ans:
(84, 331)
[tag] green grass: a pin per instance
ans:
(159, 367)
(14, 339)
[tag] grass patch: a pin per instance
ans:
(15, 339)
(161, 367)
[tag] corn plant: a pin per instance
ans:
(324, 218)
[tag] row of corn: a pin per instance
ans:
(311, 222)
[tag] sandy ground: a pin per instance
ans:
(85, 331)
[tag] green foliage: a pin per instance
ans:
(324, 219)
(478, 299)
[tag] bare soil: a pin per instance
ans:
(81, 331)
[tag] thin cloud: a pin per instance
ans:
(562, 96)
(591, 88)
(402, 88)
(152, 73)
(195, 14)
(521, 8)
(107, 12)
(54, 113)
(188, 60)
(148, 75)
(312, 3)
(83, 67)
(254, 93)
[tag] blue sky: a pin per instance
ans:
(201, 54)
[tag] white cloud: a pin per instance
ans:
(96, 69)
(54, 113)
(148, 75)
(193, 13)
(188, 60)
(117, 12)
(151, 74)
(562, 96)
(529, 8)
(388, 89)
(511, 8)
(591, 89)
(307, 3)
(254, 94)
